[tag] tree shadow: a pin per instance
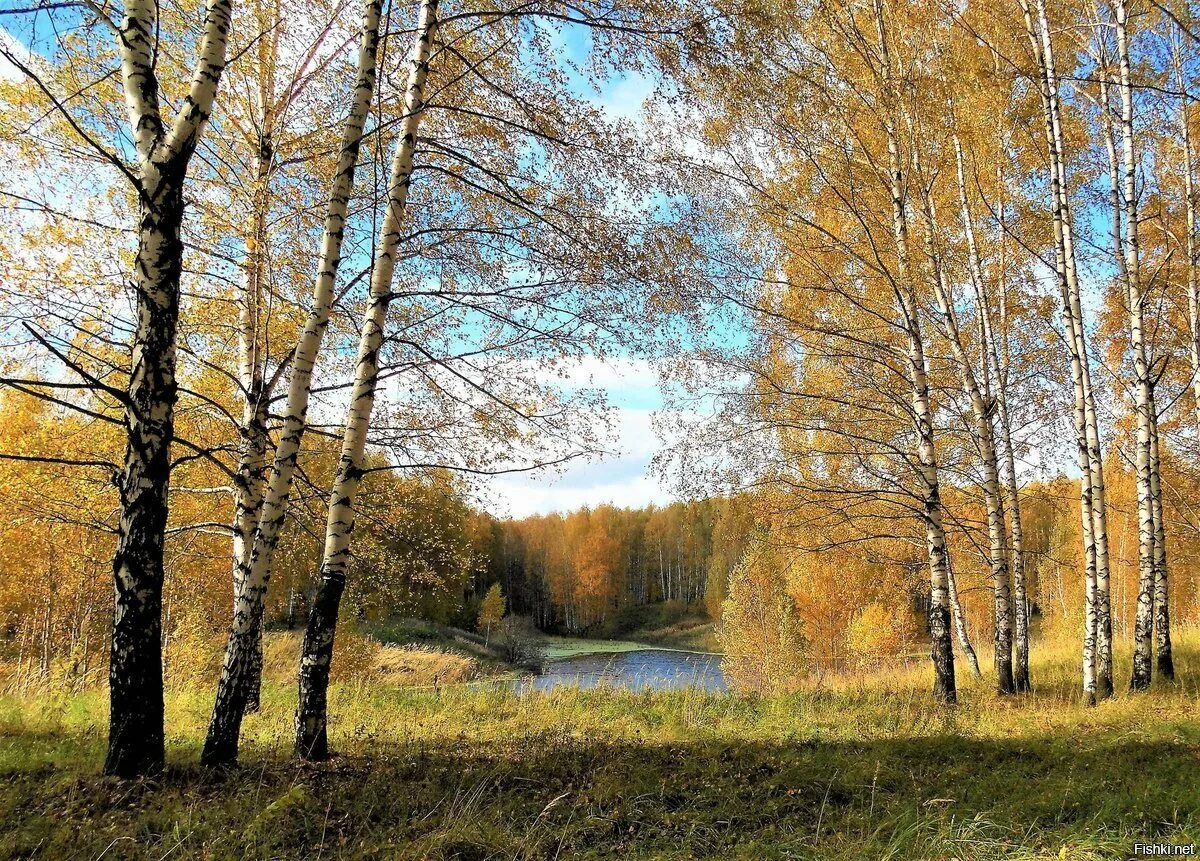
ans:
(551, 795)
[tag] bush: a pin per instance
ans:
(760, 633)
(516, 638)
(879, 634)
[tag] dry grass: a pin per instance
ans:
(852, 770)
(420, 666)
(361, 659)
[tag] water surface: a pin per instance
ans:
(636, 669)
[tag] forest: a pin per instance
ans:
(304, 302)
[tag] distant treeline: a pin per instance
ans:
(423, 550)
(577, 572)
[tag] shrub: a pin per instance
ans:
(516, 638)
(760, 632)
(880, 633)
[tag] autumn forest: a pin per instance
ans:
(474, 429)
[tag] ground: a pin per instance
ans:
(672, 624)
(867, 770)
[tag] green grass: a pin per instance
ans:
(866, 770)
(556, 648)
(672, 624)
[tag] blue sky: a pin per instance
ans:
(621, 477)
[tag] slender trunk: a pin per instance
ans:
(1021, 678)
(1089, 632)
(960, 622)
(1097, 675)
(250, 475)
(942, 648)
(1002, 363)
(317, 652)
(1096, 593)
(243, 656)
(1091, 425)
(1189, 208)
(984, 441)
(983, 433)
(1162, 602)
(47, 627)
(1144, 390)
(1193, 281)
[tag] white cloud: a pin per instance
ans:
(13, 45)
(621, 479)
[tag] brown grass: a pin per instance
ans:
(360, 658)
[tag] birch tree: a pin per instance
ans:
(317, 651)
(1151, 558)
(984, 438)
(238, 677)
(265, 131)
(162, 149)
(1191, 260)
(996, 363)
(939, 605)
(1097, 649)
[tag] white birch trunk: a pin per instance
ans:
(1097, 649)
(237, 676)
(983, 435)
(1143, 385)
(317, 651)
(960, 622)
(942, 649)
(1001, 360)
(1189, 208)
(1091, 425)
(251, 472)
(1164, 657)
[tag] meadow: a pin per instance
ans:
(866, 769)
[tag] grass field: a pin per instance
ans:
(862, 770)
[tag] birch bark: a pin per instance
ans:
(960, 622)
(135, 744)
(250, 474)
(1143, 385)
(1097, 640)
(317, 651)
(1001, 360)
(942, 648)
(242, 648)
(1091, 425)
(983, 435)
(1189, 204)
(1164, 659)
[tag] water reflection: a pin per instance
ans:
(643, 669)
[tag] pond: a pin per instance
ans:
(633, 669)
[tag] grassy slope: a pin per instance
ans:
(672, 625)
(866, 771)
(556, 648)
(693, 633)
